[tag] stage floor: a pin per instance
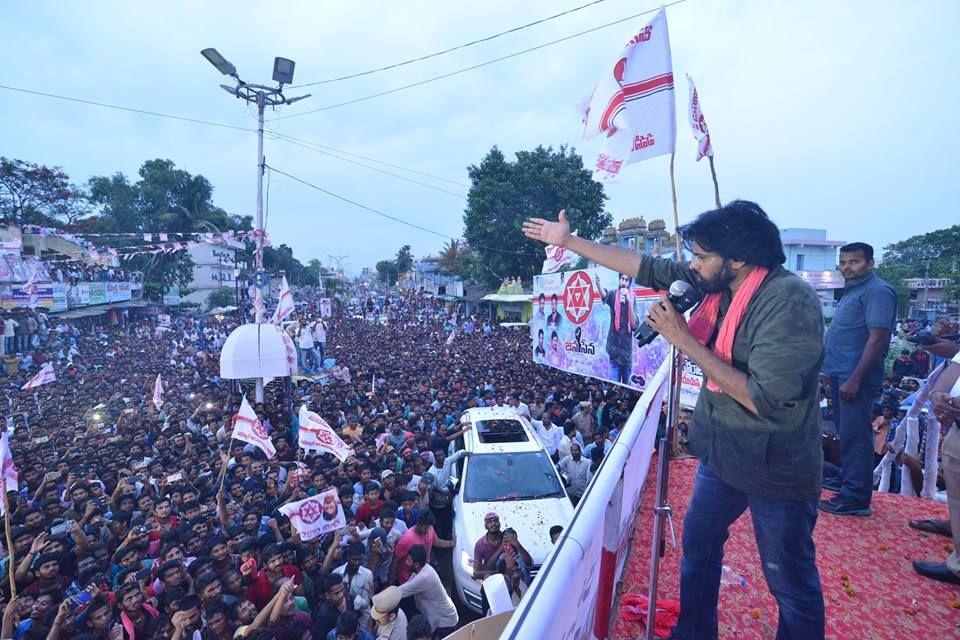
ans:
(870, 588)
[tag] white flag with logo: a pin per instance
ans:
(559, 259)
(316, 515)
(315, 434)
(44, 376)
(158, 393)
(699, 124)
(633, 104)
(248, 428)
(284, 303)
(31, 289)
(11, 478)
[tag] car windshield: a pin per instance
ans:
(510, 476)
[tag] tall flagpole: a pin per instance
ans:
(676, 213)
(11, 563)
(716, 187)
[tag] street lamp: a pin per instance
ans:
(263, 96)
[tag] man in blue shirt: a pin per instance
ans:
(857, 344)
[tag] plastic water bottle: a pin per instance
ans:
(729, 576)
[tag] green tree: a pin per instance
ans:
(35, 194)
(503, 194)
(929, 255)
(164, 199)
(222, 297)
(404, 261)
(387, 272)
(454, 259)
(281, 258)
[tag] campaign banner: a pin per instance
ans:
(60, 302)
(97, 292)
(21, 299)
(584, 320)
(113, 291)
(324, 307)
(316, 515)
(690, 383)
(172, 297)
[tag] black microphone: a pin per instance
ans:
(683, 296)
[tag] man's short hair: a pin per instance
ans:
(738, 231)
(418, 553)
(858, 246)
(348, 624)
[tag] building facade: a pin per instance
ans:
(214, 267)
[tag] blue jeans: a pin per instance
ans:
(784, 534)
(620, 372)
(855, 431)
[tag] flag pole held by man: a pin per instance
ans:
(758, 338)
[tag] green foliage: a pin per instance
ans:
(404, 261)
(222, 297)
(276, 259)
(932, 255)
(164, 199)
(539, 183)
(454, 259)
(35, 194)
(387, 272)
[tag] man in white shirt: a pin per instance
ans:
(320, 341)
(549, 434)
(520, 406)
(431, 598)
(305, 344)
(576, 469)
(945, 405)
(358, 580)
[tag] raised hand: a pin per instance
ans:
(555, 233)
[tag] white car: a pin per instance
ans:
(507, 472)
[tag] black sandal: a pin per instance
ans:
(939, 527)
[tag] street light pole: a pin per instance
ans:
(263, 96)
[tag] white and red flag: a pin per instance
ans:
(633, 103)
(9, 475)
(248, 428)
(284, 304)
(44, 376)
(158, 393)
(452, 336)
(699, 124)
(31, 288)
(316, 515)
(559, 259)
(315, 434)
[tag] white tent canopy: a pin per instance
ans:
(254, 351)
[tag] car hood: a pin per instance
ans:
(531, 519)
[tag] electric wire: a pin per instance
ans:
(395, 218)
(449, 74)
(449, 50)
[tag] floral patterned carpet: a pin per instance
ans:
(870, 588)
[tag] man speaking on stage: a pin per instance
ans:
(758, 337)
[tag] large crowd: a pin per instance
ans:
(120, 528)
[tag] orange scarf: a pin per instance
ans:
(704, 319)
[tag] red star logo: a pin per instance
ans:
(324, 438)
(260, 431)
(578, 297)
(309, 512)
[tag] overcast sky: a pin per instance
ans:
(836, 115)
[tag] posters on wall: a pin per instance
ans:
(97, 292)
(60, 302)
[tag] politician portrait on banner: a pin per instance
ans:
(599, 311)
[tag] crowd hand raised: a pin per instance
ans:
(555, 233)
